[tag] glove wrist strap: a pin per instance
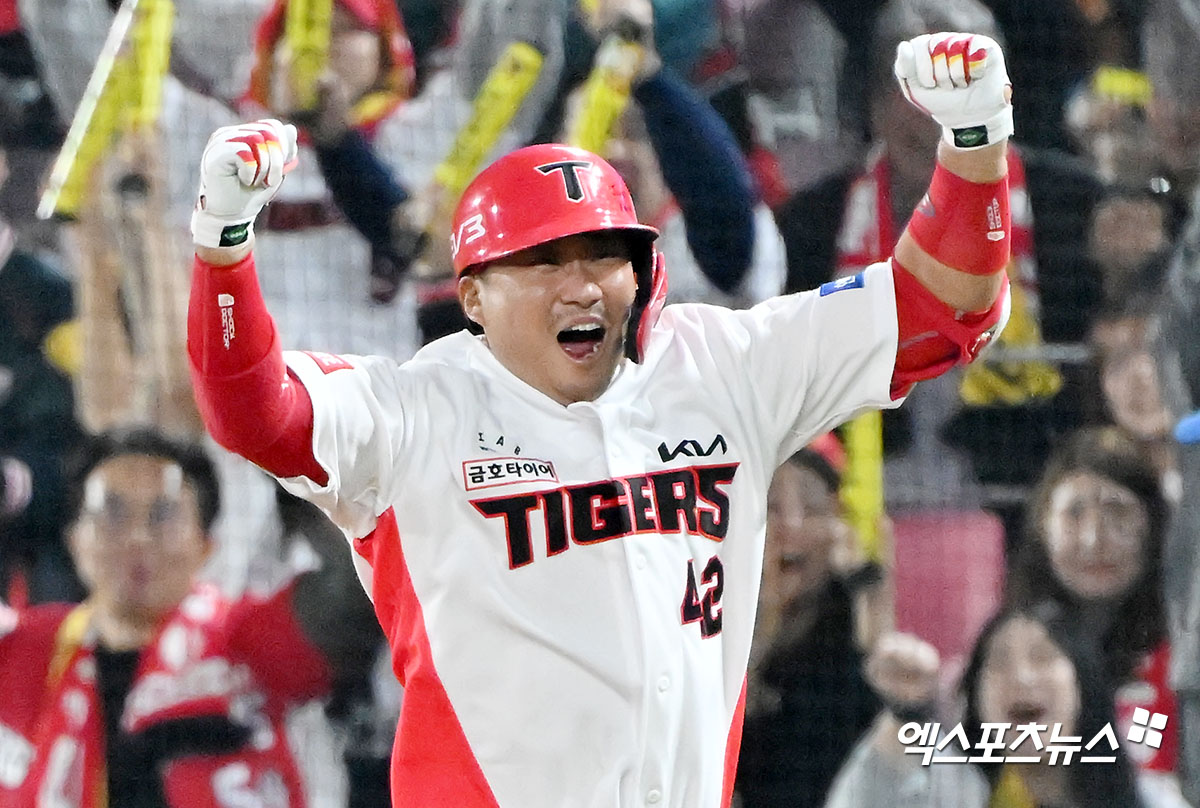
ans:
(977, 136)
(216, 231)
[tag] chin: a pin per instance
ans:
(142, 610)
(587, 383)
(584, 391)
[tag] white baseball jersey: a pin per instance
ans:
(569, 592)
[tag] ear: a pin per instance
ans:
(75, 539)
(469, 298)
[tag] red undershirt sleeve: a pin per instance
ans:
(250, 402)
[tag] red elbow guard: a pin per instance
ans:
(933, 337)
(964, 225)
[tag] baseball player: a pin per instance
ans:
(561, 520)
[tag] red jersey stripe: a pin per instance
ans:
(432, 762)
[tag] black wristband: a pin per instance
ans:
(907, 712)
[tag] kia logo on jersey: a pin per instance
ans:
(692, 448)
(686, 500)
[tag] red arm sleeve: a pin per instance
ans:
(249, 401)
(933, 336)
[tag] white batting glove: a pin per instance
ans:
(240, 171)
(960, 81)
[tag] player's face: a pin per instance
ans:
(802, 530)
(138, 541)
(1095, 534)
(1027, 678)
(555, 314)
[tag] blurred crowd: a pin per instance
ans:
(1037, 559)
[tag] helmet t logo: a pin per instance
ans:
(569, 175)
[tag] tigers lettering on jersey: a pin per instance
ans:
(688, 499)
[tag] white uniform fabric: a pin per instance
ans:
(584, 671)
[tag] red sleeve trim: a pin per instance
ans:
(933, 337)
(248, 399)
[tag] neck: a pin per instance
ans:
(1047, 785)
(1098, 614)
(799, 616)
(123, 632)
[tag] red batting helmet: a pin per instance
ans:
(548, 191)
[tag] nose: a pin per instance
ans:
(140, 534)
(1089, 535)
(790, 524)
(1024, 672)
(578, 285)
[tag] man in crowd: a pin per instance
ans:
(155, 691)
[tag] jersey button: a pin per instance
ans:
(639, 561)
(653, 796)
(664, 684)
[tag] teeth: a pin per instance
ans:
(584, 327)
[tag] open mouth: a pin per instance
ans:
(1026, 713)
(581, 341)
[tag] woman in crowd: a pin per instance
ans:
(1029, 666)
(807, 699)
(1094, 542)
(1094, 545)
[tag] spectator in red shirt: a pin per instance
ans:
(155, 691)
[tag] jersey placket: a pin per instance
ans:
(649, 565)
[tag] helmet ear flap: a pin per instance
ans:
(651, 297)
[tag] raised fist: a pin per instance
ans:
(903, 670)
(241, 169)
(960, 81)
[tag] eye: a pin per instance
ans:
(610, 245)
(789, 562)
(1076, 509)
(162, 514)
(114, 513)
